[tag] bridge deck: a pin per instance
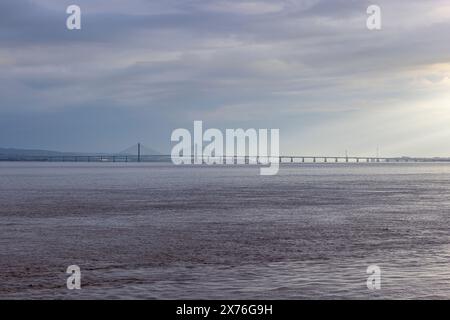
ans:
(226, 159)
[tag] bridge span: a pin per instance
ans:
(298, 159)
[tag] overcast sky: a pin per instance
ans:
(140, 68)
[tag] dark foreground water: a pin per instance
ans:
(160, 231)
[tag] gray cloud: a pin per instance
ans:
(232, 62)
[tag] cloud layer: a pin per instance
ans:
(139, 69)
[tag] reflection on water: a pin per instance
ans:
(160, 231)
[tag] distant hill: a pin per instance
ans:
(38, 152)
(30, 152)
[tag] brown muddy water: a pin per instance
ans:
(157, 231)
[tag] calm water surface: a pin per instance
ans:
(159, 231)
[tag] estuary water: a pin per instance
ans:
(158, 231)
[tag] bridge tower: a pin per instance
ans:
(139, 151)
